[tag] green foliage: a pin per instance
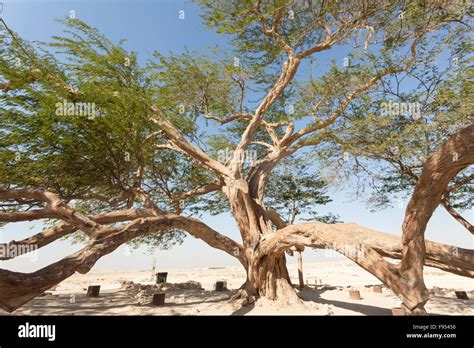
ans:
(197, 84)
(54, 149)
(392, 131)
(83, 153)
(295, 189)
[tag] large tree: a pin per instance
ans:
(138, 161)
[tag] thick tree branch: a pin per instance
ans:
(352, 241)
(367, 248)
(19, 288)
(56, 208)
(269, 126)
(288, 72)
(437, 173)
(37, 241)
(190, 150)
(62, 229)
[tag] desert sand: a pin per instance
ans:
(191, 292)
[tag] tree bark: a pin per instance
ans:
(268, 278)
(267, 275)
(300, 269)
(18, 288)
(438, 171)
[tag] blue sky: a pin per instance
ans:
(156, 25)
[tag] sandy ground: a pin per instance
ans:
(327, 293)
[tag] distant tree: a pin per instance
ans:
(293, 190)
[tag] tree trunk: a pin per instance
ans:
(267, 275)
(300, 269)
(438, 171)
(268, 278)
